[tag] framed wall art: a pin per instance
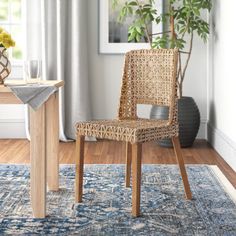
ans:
(113, 35)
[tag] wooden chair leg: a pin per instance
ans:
(128, 164)
(180, 160)
(79, 163)
(136, 178)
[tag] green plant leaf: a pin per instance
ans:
(133, 3)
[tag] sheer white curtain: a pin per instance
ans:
(57, 34)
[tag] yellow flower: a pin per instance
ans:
(5, 39)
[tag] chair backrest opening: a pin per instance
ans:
(149, 77)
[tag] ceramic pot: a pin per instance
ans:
(5, 65)
(189, 121)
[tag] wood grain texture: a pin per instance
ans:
(52, 142)
(9, 98)
(43, 145)
(136, 177)
(5, 89)
(128, 164)
(110, 152)
(38, 162)
(79, 168)
(182, 169)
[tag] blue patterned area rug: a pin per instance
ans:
(106, 207)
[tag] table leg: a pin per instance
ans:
(52, 142)
(38, 162)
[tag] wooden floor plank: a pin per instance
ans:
(110, 152)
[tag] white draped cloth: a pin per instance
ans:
(57, 34)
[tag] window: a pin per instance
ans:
(12, 21)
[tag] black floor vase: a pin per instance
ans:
(189, 121)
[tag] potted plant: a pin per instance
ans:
(184, 17)
(5, 42)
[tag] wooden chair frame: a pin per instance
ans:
(136, 89)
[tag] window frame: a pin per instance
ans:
(9, 24)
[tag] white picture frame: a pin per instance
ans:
(106, 47)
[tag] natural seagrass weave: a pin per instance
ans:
(149, 77)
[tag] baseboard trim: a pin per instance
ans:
(225, 183)
(223, 145)
(13, 129)
(202, 133)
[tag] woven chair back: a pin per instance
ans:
(149, 77)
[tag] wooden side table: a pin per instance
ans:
(44, 144)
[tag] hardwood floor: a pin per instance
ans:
(109, 152)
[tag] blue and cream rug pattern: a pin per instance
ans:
(106, 207)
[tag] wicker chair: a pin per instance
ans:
(149, 77)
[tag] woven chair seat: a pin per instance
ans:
(137, 130)
(149, 77)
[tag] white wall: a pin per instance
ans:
(222, 84)
(105, 73)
